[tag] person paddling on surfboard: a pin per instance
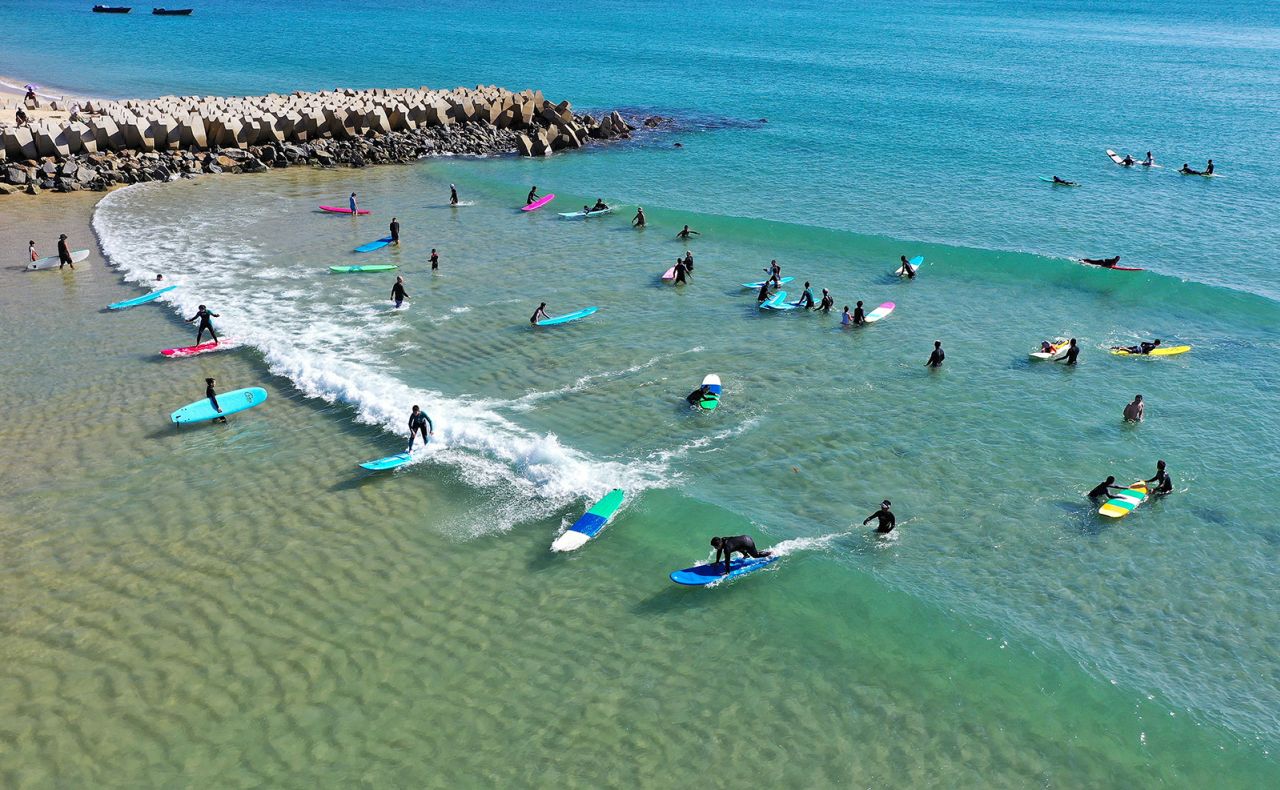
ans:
(1144, 347)
(1187, 171)
(1135, 410)
(1163, 483)
(419, 422)
(697, 396)
(686, 233)
(539, 314)
(1104, 262)
(453, 195)
(212, 395)
(351, 201)
(907, 269)
(204, 314)
(1064, 182)
(738, 544)
(1103, 490)
(638, 220)
(936, 358)
(600, 205)
(397, 292)
(885, 518)
(1073, 351)
(533, 195)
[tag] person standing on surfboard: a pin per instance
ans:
(638, 220)
(397, 292)
(453, 195)
(1073, 351)
(351, 202)
(533, 195)
(775, 273)
(420, 423)
(887, 521)
(212, 395)
(1163, 483)
(739, 544)
(395, 231)
(204, 315)
(64, 253)
(539, 314)
(1103, 490)
(686, 233)
(907, 268)
(828, 301)
(936, 358)
(1135, 410)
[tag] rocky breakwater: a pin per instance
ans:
(124, 142)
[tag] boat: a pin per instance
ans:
(112, 9)
(172, 11)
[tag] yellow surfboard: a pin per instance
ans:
(1162, 351)
(1125, 502)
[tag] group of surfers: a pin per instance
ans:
(746, 545)
(1129, 161)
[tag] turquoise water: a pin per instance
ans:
(1004, 636)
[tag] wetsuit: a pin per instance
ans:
(859, 318)
(806, 299)
(638, 221)
(1163, 483)
(681, 270)
(352, 203)
(538, 315)
(739, 544)
(688, 262)
(826, 303)
(1144, 347)
(886, 519)
(1103, 490)
(397, 293)
(205, 324)
(695, 397)
(420, 423)
(533, 195)
(1208, 171)
(764, 292)
(435, 261)
(64, 255)
(1072, 353)
(395, 232)
(936, 358)
(453, 196)
(213, 398)
(600, 206)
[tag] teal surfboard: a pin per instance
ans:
(702, 575)
(374, 245)
(377, 267)
(781, 281)
(591, 522)
(390, 462)
(231, 403)
(777, 302)
(564, 319)
(137, 300)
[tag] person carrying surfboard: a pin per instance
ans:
(937, 356)
(204, 314)
(885, 518)
(533, 195)
(212, 395)
(397, 292)
(1073, 351)
(738, 544)
(907, 269)
(681, 271)
(419, 422)
(686, 233)
(1103, 490)
(1163, 483)
(64, 253)
(1135, 410)
(638, 220)
(539, 314)
(827, 302)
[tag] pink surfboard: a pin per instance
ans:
(191, 351)
(341, 210)
(539, 203)
(880, 312)
(669, 274)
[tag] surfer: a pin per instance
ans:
(351, 202)
(539, 314)
(1104, 262)
(435, 260)
(806, 298)
(205, 324)
(695, 398)
(1127, 161)
(533, 195)
(395, 231)
(600, 205)
(1163, 483)
(1103, 490)
(638, 220)
(1149, 161)
(738, 544)
(775, 273)
(884, 516)
(827, 302)
(1046, 347)
(64, 253)
(1208, 169)
(1187, 171)
(1073, 351)
(859, 317)
(845, 318)
(585, 211)
(419, 422)
(681, 271)
(213, 398)
(764, 291)
(1134, 411)
(686, 233)
(1064, 182)
(936, 358)
(453, 195)
(907, 268)
(1144, 347)
(688, 261)
(397, 292)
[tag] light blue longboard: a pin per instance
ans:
(231, 402)
(564, 319)
(580, 215)
(702, 575)
(915, 264)
(374, 245)
(777, 302)
(137, 300)
(781, 281)
(390, 462)
(591, 522)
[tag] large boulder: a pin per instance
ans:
(15, 175)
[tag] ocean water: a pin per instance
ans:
(242, 604)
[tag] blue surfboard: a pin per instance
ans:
(777, 302)
(134, 302)
(564, 319)
(591, 522)
(374, 245)
(390, 462)
(231, 402)
(702, 575)
(781, 281)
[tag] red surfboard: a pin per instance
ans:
(341, 210)
(191, 351)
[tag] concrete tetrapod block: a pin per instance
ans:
(107, 133)
(134, 132)
(88, 141)
(19, 143)
(193, 133)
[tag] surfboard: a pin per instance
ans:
(1125, 502)
(343, 210)
(915, 263)
(376, 267)
(564, 319)
(1059, 346)
(1202, 175)
(1162, 351)
(777, 302)
(374, 245)
(702, 575)
(191, 351)
(1116, 268)
(41, 264)
(539, 203)
(137, 300)
(781, 281)
(231, 402)
(669, 274)
(1116, 158)
(1050, 180)
(712, 382)
(580, 215)
(880, 312)
(390, 462)
(590, 523)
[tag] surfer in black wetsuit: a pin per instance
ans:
(1208, 170)
(1186, 171)
(885, 517)
(1127, 161)
(453, 195)
(1149, 161)
(1163, 483)
(1103, 490)
(1073, 351)
(435, 260)
(681, 271)
(539, 314)
(806, 298)
(937, 356)
(204, 314)
(686, 233)
(638, 220)
(533, 195)
(419, 422)
(907, 268)
(695, 398)
(64, 253)
(1105, 262)
(395, 231)
(827, 301)
(1063, 181)
(600, 205)
(859, 318)
(739, 544)
(764, 292)
(688, 261)
(1144, 347)
(397, 292)
(213, 398)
